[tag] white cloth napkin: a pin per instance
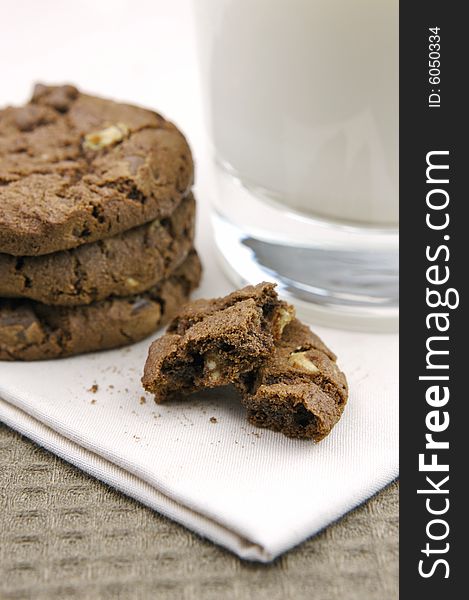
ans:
(253, 491)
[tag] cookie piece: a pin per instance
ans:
(75, 169)
(211, 342)
(299, 390)
(32, 331)
(128, 263)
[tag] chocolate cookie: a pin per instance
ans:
(75, 169)
(128, 263)
(299, 390)
(31, 331)
(211, 342)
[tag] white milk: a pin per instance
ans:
(303, 101)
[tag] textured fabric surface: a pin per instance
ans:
(66, 535)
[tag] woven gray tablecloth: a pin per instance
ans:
(64, 535)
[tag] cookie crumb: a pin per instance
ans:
(94, 388)
(213, 420)
(93, 401)
(142, 400)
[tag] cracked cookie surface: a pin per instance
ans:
(32, 331)
(211, 342)
(75, 169)
(128, 263)
(299, 390)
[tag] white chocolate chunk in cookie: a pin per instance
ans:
(105, 137)
(299, 360)
(284, 315)
(211, 366)
(131, 283)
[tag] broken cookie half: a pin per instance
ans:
(299, 390)
(213, 342)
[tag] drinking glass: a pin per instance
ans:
(301, 99)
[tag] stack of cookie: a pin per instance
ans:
(96, 224)
(287, 377)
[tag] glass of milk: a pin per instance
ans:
(302, 107)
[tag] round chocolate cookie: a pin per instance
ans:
(33, 331)
(128, 263)
(75, 169)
